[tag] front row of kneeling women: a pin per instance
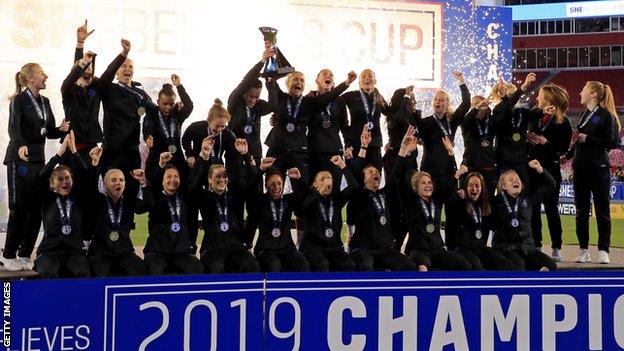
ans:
(104, 247)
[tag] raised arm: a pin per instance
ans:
(237, 95)
(187, 103)
(82, 33)
(547, 185)
(245, 169)
(199, 172)
(344, 194)
(463, 108)
(267, 107)
(321, 100)
(109, 74)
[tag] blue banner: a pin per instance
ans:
(485, 311)
(309, 311)
(152, 313)
(566, 191)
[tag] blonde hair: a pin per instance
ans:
(449, 111)
(20, 77)
(509, 89)
(217, 110)
(557, 97)
(482, 113)
(476, 99)
(416, 177)
(109, 174)
(605, 99)
(501, 180)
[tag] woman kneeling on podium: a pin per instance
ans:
(322, 221)
(62, 245)
(425, 246)
(224, 248)
(512, 219)
(168, 247)
(111, 249)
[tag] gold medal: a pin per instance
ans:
(516, 137)
(430, 228)
(141, 111)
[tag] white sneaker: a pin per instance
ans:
(603, 257)
(26, 263)
(556, 255)
(12, 264)
(583, 256)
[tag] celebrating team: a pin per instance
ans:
(318, 162)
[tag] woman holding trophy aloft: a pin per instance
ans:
(287, 141)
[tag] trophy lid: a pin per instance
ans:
(267, 30)
(270, 34)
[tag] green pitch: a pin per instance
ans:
(569, 236)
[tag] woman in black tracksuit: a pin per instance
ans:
(222, 152)
(373, 244)
(111, 249)
(81, 92)
(403, 115)
(512, 210)
(470, 226)
(30, 122)
(425, 246)
(598, 130)
(224, 247)
(63, 243)
(479, 129)
(287, 140)
(510, 146)
(366, 106)
(322, 221)
(275, 249)
(162, 127)
(548, 139)
(168, 248)
(246, 109)
(438, 135)
(325, 127)
(124, 103)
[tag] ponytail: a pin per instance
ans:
(609, 104)
(217, 110)
(605, 99)
(20, 77)
(18, 85)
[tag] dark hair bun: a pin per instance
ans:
(218, 102)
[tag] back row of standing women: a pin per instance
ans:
(220, 174)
